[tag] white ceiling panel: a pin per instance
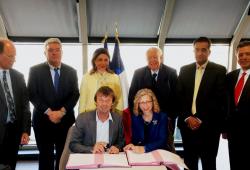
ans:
(135, 18)
(40, 18)
(212, 18)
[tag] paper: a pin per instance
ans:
(82, 161)
(157, 157)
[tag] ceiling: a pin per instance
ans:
(35, 20)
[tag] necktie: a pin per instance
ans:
(154, 76)
(10, 101)
(238, 88)
(198, 77)
(56, 79)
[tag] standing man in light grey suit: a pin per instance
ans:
(98, 130)
(15, 117)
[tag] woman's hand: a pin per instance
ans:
(136, 149)
(129, 147)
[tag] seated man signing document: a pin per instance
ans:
(99, 130)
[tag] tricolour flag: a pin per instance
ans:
(117, 66)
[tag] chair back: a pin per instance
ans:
(66, 151)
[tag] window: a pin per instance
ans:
(30, 54)
(133, 56)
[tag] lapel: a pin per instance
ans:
(161, 74)
(111, 127)
(2, 94)
(205, 78)
(235, 78)
(14, 85)
(141, 129)
(92, 123)
(191, 78)
(147, 78)
(50, 78)
(245, 92)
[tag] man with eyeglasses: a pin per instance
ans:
(53, 90)
(15, 117)
(161, 79)
(202, 102)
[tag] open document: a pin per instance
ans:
(87, 161)
(124, 160)
(157, 157)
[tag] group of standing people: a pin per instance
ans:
(206, 101)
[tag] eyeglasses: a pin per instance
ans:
(57, 50)
(145, 102)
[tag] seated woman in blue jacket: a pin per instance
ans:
(149, 125)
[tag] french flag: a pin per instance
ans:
(118, 67)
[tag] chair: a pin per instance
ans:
(126, 120)
(66, 151)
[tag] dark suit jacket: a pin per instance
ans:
(164, 91)
(22, 110)
(211, 97)
(239, 116)
(43, 96)
(157, 132)
(84, 132)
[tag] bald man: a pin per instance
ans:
(15, 117)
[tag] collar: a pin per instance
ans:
(152, 72)
(109, 118)
(203, 66)
(1, 71)
(247, 71)
(52, 67)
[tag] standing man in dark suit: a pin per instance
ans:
(238, 83)
(15, 117)
(202, 101)
(99, 130)
(53, 90)
(161, 79)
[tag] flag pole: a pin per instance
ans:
(105, 35)
(116, 32)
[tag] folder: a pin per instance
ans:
(84, 161)
(156, 157)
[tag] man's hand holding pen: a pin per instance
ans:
(101, 147)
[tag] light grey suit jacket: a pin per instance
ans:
(84, 132)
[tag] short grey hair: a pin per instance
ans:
(52, 40)
(159, 51)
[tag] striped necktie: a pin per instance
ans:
(9, 99)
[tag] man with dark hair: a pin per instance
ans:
(202, 101)
(238, 84)
(15, 117)
(98, 130)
